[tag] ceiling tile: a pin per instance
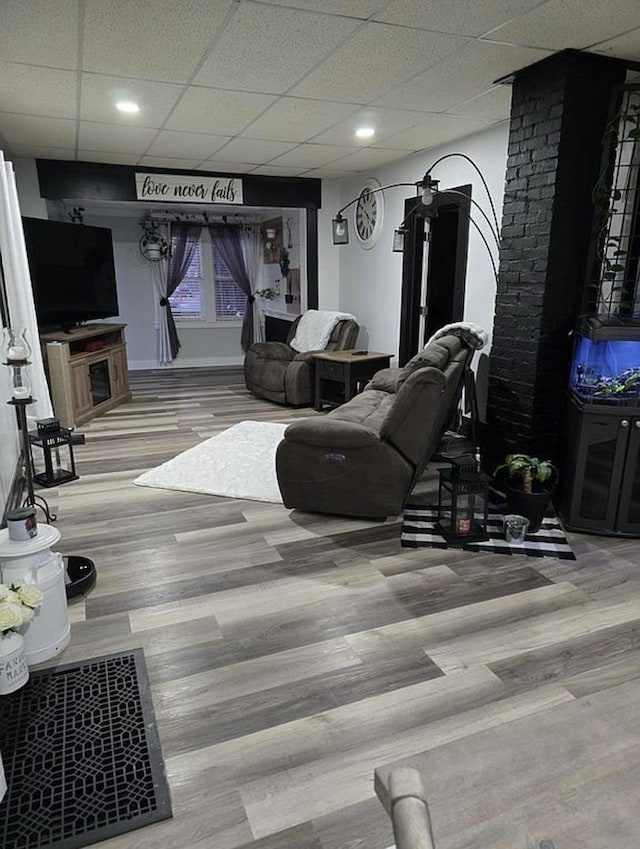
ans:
(625, 46)
(461, 76)
(191, 145)
(118, 139)
(297, 120)
(311, 155)
(110, 158)
(364, 160)
(377, 58)
(276, 171)
(152, 39)
(326, 173)
(438, 129)
(220, 166)
(40, 32)
(33, 130)
(457, 16)
(253, 150)
(386, 122)
(212, 110)
(348, 8)
(285, 44)
(570, 23)
(495, 103)
(37, 91)
(37, 152)
(169, 162)
(100, 93)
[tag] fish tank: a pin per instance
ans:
(606, 361)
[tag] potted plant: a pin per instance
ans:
(528, 484)
(17, 607)
(284, 270)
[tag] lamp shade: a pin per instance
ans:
(398, 240)
(340, 229)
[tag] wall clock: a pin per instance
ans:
(369, 214)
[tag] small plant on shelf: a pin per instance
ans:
(269, 293)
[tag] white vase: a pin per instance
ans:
(14, 672)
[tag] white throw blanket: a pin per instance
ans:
(475, 336)
(314, 329)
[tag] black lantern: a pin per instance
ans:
(463, 502)
(52, 456)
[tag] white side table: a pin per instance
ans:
(49, 631)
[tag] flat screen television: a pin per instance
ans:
(72, 272)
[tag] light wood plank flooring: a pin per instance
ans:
(291, 654)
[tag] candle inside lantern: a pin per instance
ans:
(17, 353)
(21, 392)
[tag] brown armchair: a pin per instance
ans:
(274, 370)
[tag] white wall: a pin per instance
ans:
(369, 281)
(217, 345)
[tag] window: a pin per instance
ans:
(208, 292)
(187, 301)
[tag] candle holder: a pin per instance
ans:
(16, 348)
(17, 351)
(463, 498)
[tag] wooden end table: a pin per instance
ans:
(339, 374)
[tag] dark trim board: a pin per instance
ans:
(98, 181)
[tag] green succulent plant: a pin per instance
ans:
(529, 470)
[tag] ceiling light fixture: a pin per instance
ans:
(127, 106)
(365, 132)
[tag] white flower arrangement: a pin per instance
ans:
(18, 605)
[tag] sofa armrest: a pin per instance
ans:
(305, 356)
(326, 433)
(272, 351)
(386, 380)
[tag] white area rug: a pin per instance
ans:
(239, 463)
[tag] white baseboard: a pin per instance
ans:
(195, 362)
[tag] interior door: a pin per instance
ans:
(441, 261)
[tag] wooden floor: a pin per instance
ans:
(291, 654)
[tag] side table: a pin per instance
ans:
(339, 374)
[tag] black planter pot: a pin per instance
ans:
(532, 506)
(288, 299)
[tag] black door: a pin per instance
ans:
(446, 269)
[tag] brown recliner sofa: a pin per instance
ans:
(274, 370)
(364, 458)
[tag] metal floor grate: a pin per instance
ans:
(81, 755)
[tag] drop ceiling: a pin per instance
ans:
(276, 87)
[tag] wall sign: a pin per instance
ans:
(179, 188)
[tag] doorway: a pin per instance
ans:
(434, 268)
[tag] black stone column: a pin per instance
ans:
(559, 113)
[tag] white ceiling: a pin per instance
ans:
(276, 86)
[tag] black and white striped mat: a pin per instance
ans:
(418, 531)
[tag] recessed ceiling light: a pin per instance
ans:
(127, 106)
(365, 132)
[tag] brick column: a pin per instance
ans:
(558, 116)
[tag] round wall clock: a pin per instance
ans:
(369, 214)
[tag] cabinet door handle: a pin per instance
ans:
(624, 423)
(638, 423)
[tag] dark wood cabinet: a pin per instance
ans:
(601, 475)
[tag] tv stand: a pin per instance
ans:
(87, 371)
